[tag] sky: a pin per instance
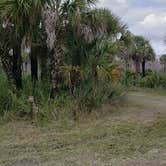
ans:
(143, 17)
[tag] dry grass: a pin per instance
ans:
(134, 134)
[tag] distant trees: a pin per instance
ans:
(137, 49)
(148, 55)
(163, 62)
(143, 53)
(127, 48)
(75, 48)
(64, 33)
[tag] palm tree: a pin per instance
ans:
(92, 38)
(78, 21)
(143, 53)
(138, 44)
(27, 15)
(25, 18)
(147, 55)
(57, 18)
(126, 47)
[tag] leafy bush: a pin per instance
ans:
(130, 78)
(9, 102)
(5, 96)
(162, 80)
(154, 80)
(93, 94)
(85, 97)
(150, 81)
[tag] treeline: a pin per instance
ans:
(77, 46)
(59, 33)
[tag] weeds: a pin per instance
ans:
(87, 97)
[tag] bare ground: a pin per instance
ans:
(131, 135)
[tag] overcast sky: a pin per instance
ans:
(143, 17)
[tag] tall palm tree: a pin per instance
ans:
(69, 18)
(92, 36)
(25, 18)
(138, 44)
(27, 15)
(57, 18)
(143, 53)
(147, 55)
(126, 47)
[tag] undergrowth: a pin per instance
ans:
(86, 97)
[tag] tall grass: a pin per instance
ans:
(86, 97)
(151, 80)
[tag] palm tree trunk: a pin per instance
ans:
(56, 59)
(34, 64)
(17, 64)
(44, 64)
(137, 66)
(52, 26)
(143, 68)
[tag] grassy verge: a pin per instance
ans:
(101, 141)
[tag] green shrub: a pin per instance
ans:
(40, 91)
(150, 81)
(154, 80)
(93, 94)
(130, 78)
(162, 80)
(9, 102)
(5, 95)
(86, 97)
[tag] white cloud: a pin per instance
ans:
(154, 21)
(122, 1)
(147, 21)
(153, 27)
(118, 7)
(159, 47)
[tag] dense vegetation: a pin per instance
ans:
(78, 55)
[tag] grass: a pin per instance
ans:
(159, 91)
(56, 143)
(88, 96)
(111, 138)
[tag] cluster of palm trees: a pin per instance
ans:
(63, 33)
(138, 50)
